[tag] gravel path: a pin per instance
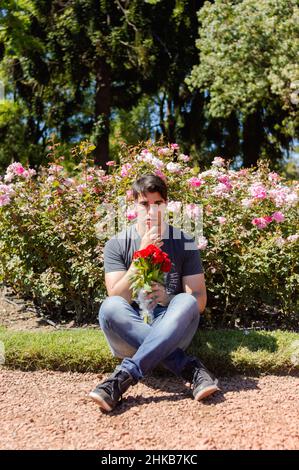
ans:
(51, 410)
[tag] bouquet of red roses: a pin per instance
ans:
(151, 265)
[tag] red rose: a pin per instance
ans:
(154, 249)
(158, 258)
(166, 266)
(147, 252)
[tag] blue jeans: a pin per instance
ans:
(144, 346)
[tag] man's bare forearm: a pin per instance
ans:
(122, 287)
(201, 301)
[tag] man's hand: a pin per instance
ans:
(158, 295)
(152, 236)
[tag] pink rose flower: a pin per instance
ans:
(163, 151)
(161, 174)
(194, 182)
(156, 162)
(184, 158)
(129, 193)
(243, 172)
(81, 188)
(125, 169)
(55, 168)
(274, 177)
(258, 191)
(291, 199)
(173, 167)
(19, 170)
(261, 222)
(131, 214)
(280, 241)
(104, 178)
(15, 169)
(247, 202)
(278, 216)
(278, 196)
(193, 210)
(174, 206)
(51, 178)
(223, 179)
(222, 189)
(174, 146)
(293, 238)
(7, 189)
(28, 173)
(4, 199)
(68, 181)
(218, 161)
(202, 243)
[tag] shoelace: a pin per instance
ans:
(197, 378)
(201, 374)
(109, 386)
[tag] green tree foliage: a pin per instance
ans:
(249, 63)
(21, 125)
(74, 66)
(69, 63)
(109, 71)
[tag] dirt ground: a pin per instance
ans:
(18, 314)
(51, 410)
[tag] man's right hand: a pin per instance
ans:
(152, 236)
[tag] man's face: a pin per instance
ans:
(150, 209)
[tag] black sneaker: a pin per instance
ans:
(203, 382)
(109, 393)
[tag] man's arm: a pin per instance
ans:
(118, 283)
(117, 279)
(195, 285)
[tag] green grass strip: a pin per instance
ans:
(85, 350)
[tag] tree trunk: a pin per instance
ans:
(252, 139)
(102, 112)
(195, 120)
(171, 121)
(231, 146)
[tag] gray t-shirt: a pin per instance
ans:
(179, 245)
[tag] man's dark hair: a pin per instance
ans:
(149, 184)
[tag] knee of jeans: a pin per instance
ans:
(189, 301)
(109, 308)
(186, 297)
(122, 350)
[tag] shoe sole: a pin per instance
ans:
(100, 401)
(206, 392)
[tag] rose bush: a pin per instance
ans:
(54, 226)
(48, 248)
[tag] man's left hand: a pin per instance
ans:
(158, 295)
